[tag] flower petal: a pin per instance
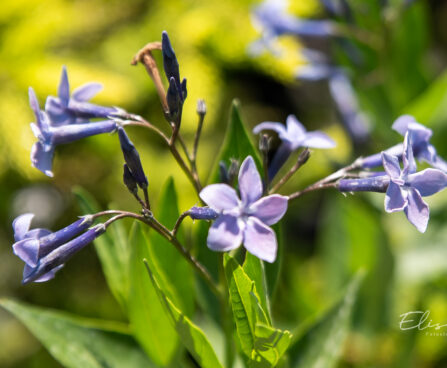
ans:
(417, 210)
(21, 225)
(250, 184)
(28, 272)
(64, 88)
(41, 159)
(269, 125)
(225, 234)
(27, 250)
(295, 130)
(401, 124)
(394, 199)
(391, 165)
(428, 181)
(86, 91)
(260, 240)
(220, 197)
(49, 275)
(317, 140)
(57, 114)
(269, 209)
(408, 157)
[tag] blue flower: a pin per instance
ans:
(404, 187)
(75, 109)
(293, 136)
(244, 220)
(49, 264)
(50, 135)
(420, 140)
(33, 244)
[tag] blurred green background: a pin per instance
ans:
(328, 237)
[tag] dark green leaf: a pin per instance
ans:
(112, 248)
(148, 319)
(190, 335)
(78, 342)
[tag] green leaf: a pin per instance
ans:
(254, 268)
(112, 248)
(270, 345)
(320, 344)
(237, 143)
(78, 342)
(170, 262)
(148, 320)
(260, 342)
(191, 336)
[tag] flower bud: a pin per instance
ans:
(129, 180)
(202, 213)
(201, 107)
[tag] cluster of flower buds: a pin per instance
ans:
(44, 252)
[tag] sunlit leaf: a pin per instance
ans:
(190, 335)
(79, 342)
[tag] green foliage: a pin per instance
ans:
(262, 344)
(112, 248)
(148, 320)
(191, 336)
(78, 342)
(320, 343)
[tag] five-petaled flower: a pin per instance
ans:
(407, 187)
(293, 136)
(244, 220)
(75, 109)
(50, 135)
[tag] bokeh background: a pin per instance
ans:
(328, 237)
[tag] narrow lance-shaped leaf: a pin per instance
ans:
(321, 343)
(79, 342)
(112, 249)
(190, 335)
(148, 320)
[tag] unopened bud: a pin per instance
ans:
(233, 171)
(201, 107)
(202, 213)
(264, 143)
(223, 172)
(129, 180)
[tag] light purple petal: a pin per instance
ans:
(64, 88)
(27, 250)
(220, 197)
(295, 130)
(269, 209)
(268, 125)
(260, 240)
(417, 210)
(34, 104)
(250, 184)
(225, 234)
(21, 225)
(420, 133)
(57, 114)
(41, 159)
(395, 198)
(317, 140)
(428, 181)
(37, 233)
(86, 91)
(49, 275)
(439, 163)
(400, 125)
(408, 158)
(391, 165)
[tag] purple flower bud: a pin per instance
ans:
(132, 159)
(174, 102)
(129, 180)
(33, 244)
(202, 213)
(373, 184)
(48, 265)
(170, 63)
